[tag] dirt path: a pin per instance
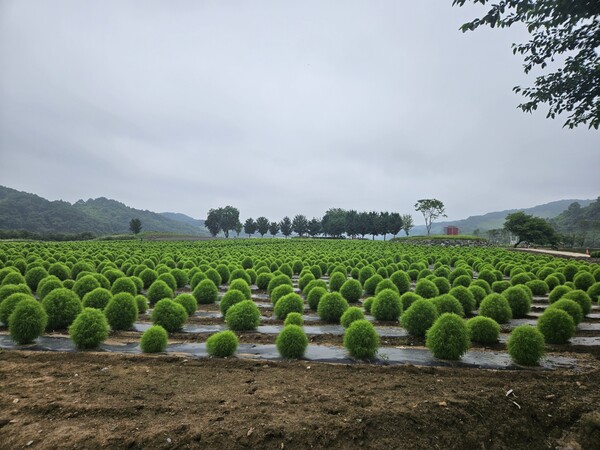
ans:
(96, 400)
(552, 252)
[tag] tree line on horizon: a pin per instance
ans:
(336, 223)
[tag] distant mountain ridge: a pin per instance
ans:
(25, 211)
(495, 220)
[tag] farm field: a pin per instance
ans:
(56, 396)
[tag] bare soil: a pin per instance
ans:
(100, 400)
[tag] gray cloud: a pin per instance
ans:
(277, 108)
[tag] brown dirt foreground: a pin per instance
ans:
(99, 400)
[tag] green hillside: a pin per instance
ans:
(495, 220)
(24, 211)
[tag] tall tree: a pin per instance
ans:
(314, 227)
(407, 223)
(238, 228)
(565, 36)
(230, 217)
(384, 224)
(373, 223)
(249, 226)
(395, 223)
(286, 226)
(334, 222)
(531, 229)
(300, 225)
(364, 224)
(213, 221)
(352, 223)
(262, 225)
(135, 225)
(431, 208)
(273, 228)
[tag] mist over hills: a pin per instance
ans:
(25, 211)
(495, 220)
(102, 216)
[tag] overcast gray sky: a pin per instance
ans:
(277, 108)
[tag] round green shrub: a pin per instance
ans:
(84, 285)
(426, 289)
(263, 280)
(500, 286)
(98, 298)
(278, 281)
(121, 311)
(448, 337)
(371, 284)
(488, 276)
(463, 280)
(483, 285)
(556, 325)
(361, 340)
(448, 304)
(292, 342)
(304, 280)
(526, 345)
(484, 330)
(521, 278)
(419, 317)
(242, 286)
(557, 293)
(593, 291)
(27, 321)
(181, 277)
(244, 316)
(188, 301)
(157, 291)
(407, 299)
(142, 303)
(386, 305)
(222, 344)
(351, 290)
(582, 298)
(230, 298)
(124, 284)
(48, 284)
(352, 314)
(538, 287)
(314, 297)
(13, 278)
(89, 329)
(313, 284)
(281, 291)
(206, 292)
(70, 283)
(331, 307)
(287, 304)
(9, 304)
(59, 270)
(62, 307)
(336, 281)
(442, 284)
(294, 318)
(571, 307)
(169, 315)
(148, 276)
(551, 281)
(583, 280)
(367, 304)
(196, 279)
(154, 340)
(365, 273)
(465, 297)
(386, 284)
(496, 306)
(7, 291)
(34, 276)
(518, 300)
(214, 276)
(401, 280)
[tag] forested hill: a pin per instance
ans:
(24, 211)
(495, 220)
